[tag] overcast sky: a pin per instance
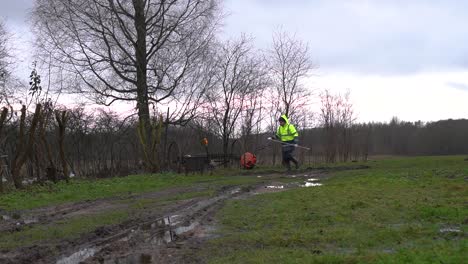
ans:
(397, 58)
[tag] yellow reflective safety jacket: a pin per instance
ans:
(287, 132)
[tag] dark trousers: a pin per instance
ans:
(287, 153)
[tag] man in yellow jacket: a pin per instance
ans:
(287, 134)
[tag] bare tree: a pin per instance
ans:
(62, 119)
(337, 118)
(5, 64)
(239, 75)
(24, 145)
(143, 51)
(346, 118)
(252, 118)
(328, 120)
(290, 63)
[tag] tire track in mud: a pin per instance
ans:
(175, 237)
(48, 216)
(171, 235)
(16, 220)
(161, 239)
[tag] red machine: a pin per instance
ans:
(248, 160)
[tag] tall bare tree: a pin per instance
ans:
(252, 118)
(5, 62)
(290, 64)
(143, 51)
(337, 118)
(239, 74)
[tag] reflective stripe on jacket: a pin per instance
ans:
(287, 132)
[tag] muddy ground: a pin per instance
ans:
(170, 232)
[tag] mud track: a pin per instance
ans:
(169, 233)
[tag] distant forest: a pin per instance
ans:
(444, 137)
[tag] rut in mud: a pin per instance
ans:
(171, 233)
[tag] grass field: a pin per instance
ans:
(401, 210)
(83, 190)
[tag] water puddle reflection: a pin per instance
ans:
(78, 257)
(274, 187)
(30, 221)
(450, 230)
(6, 217)
(312, 182)
(163, 231)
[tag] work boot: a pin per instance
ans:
(296, 164)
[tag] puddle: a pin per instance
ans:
(165, 238)
(311, 184)
(6, 217)
(274, 187)
(450, 230)
(168, 233)
(78, 257)
(162, 231)
(312, 180)
(172, 220)
(184, 229)
(30, 221)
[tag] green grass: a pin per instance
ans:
(81, 190)
(391, 213)
(70, 228)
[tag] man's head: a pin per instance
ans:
(281, 121)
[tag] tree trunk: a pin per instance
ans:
(225, 150)
(22, 155)
(142, 86)
(61, 118)
(3, 117)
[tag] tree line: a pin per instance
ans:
(165, 57)
(103, 144)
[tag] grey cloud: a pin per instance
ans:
(364, 36)
(15, 11)
(459, 86)
(380, 37)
